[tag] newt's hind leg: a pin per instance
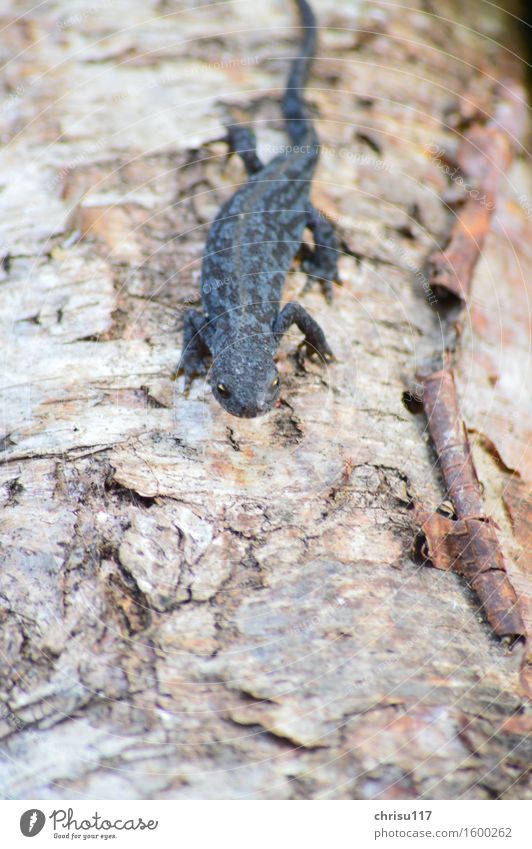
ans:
(195, 354)
(243, 142)
(314, 341)
(321, 263)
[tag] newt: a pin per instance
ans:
(249, 250)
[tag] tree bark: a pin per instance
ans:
(197, 606)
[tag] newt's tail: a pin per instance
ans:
(298, 123)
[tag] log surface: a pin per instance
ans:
(196, 606)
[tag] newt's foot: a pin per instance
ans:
(191, 369)
(307, 348)
(314, 341)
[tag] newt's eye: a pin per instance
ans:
(275, 383)
(223, 390)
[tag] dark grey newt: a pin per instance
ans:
(250, 247)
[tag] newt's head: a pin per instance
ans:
(244, 379)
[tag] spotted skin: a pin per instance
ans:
(249, 250)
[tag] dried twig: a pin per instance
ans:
(468, 546)
(484, 156)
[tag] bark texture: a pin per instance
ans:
(196, 606)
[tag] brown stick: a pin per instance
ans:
(484, 158)
(450, 438)
(469, 546)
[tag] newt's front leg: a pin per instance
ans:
(196, 352)
(314, 341)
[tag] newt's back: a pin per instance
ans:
(256, 235)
